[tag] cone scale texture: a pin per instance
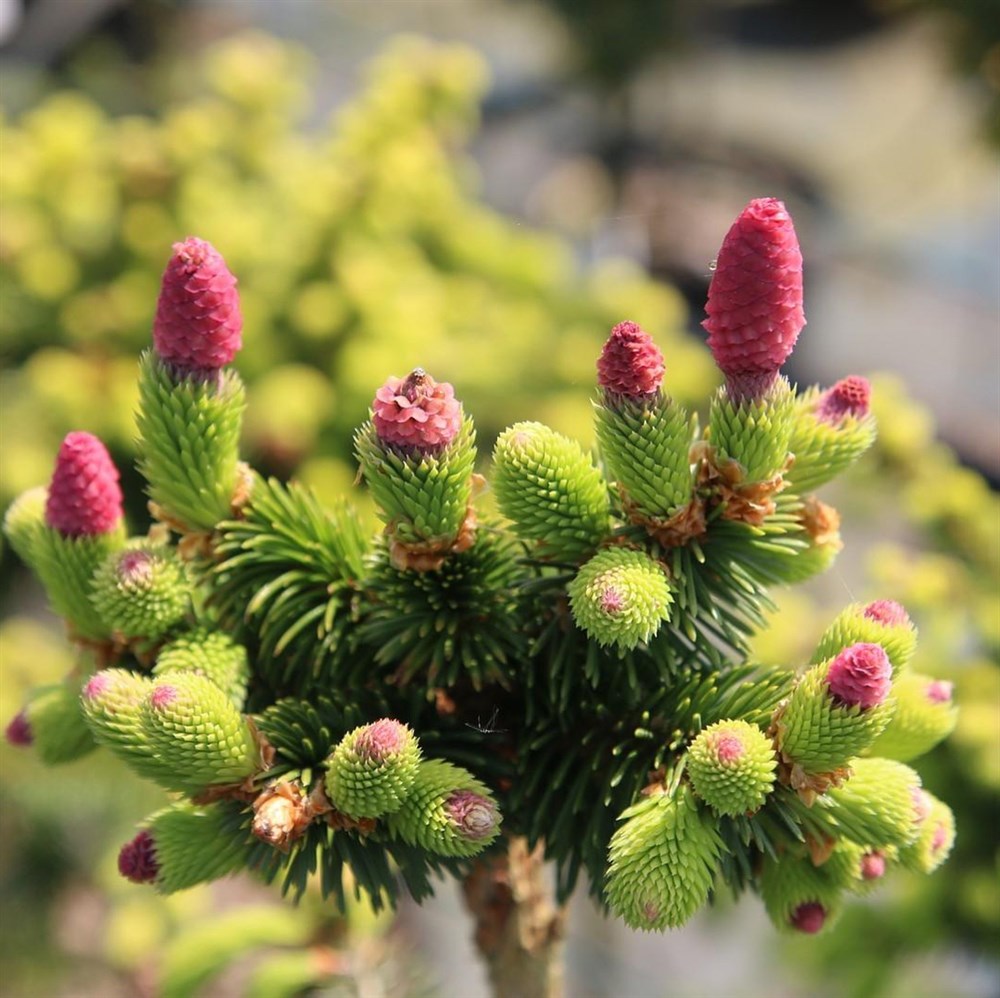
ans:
(373, 769)
(416, 413)
(755, 298)
(198, 325)
(84, 496)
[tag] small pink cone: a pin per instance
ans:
(85, 498)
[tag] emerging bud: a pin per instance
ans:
(887, 612)
(416, 413)
(377, 741)
(939, 691)
(876, 805)
(731, 765)
(620, 597)
(137, 859)
(808, 917)
(922, 802)
(849, 397)
(474, 815)
(873, 865)
(18, 731)
(935, 837)
(860, 676)
(755, 298)
(142, 591)
(198, 325)
(84, 496)
(630, 365)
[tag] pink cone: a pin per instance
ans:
(137, 859)
(85, 498)
(630, 364)
(848, 397)
(872, 866)
(198, 325)
(416, 413)
(755, 299)
(860, 676)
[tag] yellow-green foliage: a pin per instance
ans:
(360, 247)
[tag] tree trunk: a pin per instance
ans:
(519, 929)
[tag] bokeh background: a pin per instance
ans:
(483, 188)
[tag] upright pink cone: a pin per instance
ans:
(416, 413)
(85, 498)
(755, 298)
(630, 365)
(198, 325)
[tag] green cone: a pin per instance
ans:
(551, 491)
(882, 623)
(731, 765)
(182, 846)
(189, 432)
(24, 520)
(620, 597)
(662, 862)
(818, 734)
(373, 769)
(925, 715)
(59, 732)
(211, 654)
(65, 566)
(798, 896)
(421, 497)
(447, 812)
(935, 837)
(645, 446)
(753, 433)
(875, 807)
(823, 450)
(111, 704)
(141, 591)
(198, 735)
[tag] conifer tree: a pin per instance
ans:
(314, 696)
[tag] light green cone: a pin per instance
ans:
(24, 520)
(662, 862)
(198, 735)
(920, 721)
(551, 491)
(620, 597)
(193, 846)
(875, 807)
(791, 882)
(755, 434)
(211, 654)
(935, 837)
(447, 812)
(189, 434)
(851, 626)
(373, 769)
(823, 450)
(731, 765)
(645, 447)
(818, 734)
(422, 498)
(59, 731)
(141, 591)
(111, 704)
(65, 566)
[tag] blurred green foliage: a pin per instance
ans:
(361, 249)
